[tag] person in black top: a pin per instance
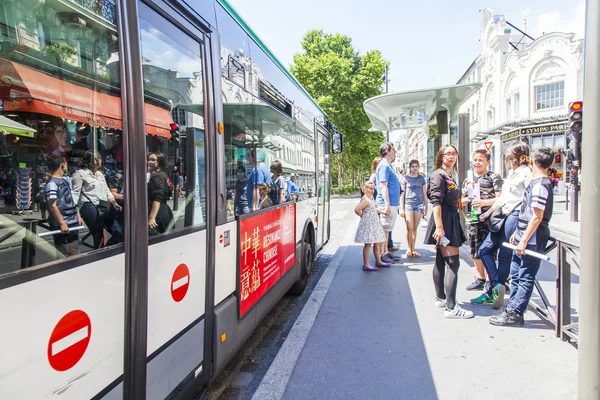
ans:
(532, 234)
(63, 211)
(159, 191)
(490, 188)
(445, 231)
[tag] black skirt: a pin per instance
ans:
(452, 228)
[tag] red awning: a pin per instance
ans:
(25, 89)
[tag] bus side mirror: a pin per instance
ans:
(337, 143)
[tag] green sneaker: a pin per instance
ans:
(498, 293)
(483, 300)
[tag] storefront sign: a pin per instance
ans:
(11, 104)
(510, 135)
(267, 252)
(534, 130)
(544, 129)
(107, 123)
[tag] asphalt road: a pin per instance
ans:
(244, 373)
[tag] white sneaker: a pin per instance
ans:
(440, 303)
(458, 313)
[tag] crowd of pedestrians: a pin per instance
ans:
(515, 210)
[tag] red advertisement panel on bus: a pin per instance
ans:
(268, 251)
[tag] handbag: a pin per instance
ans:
(104, 208)
(496, 220)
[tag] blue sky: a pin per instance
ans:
(429, 43)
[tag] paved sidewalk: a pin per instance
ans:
(377, 335)
(561, 225)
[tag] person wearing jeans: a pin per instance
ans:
(517, 156)
(523, 270)
(532, 233)
(491, 244)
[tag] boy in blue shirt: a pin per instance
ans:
(532, 233)
(63, 211)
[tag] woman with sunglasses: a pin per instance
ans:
(445, 231)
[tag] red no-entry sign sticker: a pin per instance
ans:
(69, 340)
(180, 282)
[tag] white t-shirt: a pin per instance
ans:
(513, 188)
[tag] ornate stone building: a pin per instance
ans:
(527, 85)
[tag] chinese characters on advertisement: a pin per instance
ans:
(267, 252)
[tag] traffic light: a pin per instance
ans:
(575, 129)
(175, 134)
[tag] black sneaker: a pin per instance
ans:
(507, 317)
(478, 284)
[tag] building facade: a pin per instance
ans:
(527, 85)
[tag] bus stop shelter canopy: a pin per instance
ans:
(413, 108)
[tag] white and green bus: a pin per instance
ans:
(115, 305)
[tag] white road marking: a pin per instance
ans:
(181, 282)
(68, 341)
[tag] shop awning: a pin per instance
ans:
(9, 126)
(28, 90)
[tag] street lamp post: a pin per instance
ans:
(588, 385)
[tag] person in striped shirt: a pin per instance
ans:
(532, 233)
(63, 212)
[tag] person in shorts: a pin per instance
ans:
(413, 205)
(490, 188)
(388, 196)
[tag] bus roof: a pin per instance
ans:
(260, 43)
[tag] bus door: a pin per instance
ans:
(323, 185)
(176, 71)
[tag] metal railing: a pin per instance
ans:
(103, 8)
(560, 316)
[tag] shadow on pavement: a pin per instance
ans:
(366, 342)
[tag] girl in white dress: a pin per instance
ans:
(369, 229)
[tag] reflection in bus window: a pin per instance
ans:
(261, 123)
(173, 81)
(62, 100)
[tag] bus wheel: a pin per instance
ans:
(307, 266)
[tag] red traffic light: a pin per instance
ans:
(174, 127)
(576, 106)
(573, 172)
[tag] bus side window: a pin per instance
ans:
(59, 159)
(174, 81)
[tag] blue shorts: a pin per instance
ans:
(416, 207)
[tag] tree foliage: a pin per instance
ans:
(341, 79)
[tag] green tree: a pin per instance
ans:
(341, 79)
